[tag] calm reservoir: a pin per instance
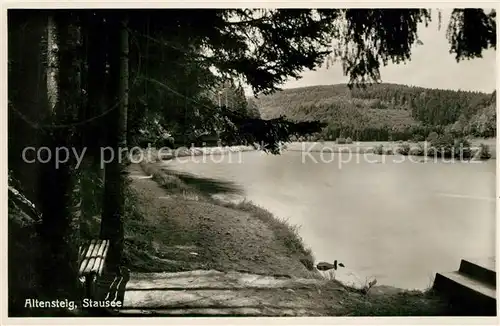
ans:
(400, 222)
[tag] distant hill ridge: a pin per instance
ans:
(385, 110)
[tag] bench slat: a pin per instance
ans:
(99, 260)
(92, 259)
(97, 257)
(86, 247)
(89, 256)
(85, 259)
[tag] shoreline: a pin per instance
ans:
(285, 234)
(186, 230)
(235, 200)
(289, 233)
(369, 147)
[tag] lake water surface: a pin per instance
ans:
(400, 222)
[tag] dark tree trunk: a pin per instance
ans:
(96, 85)
(28, 106)
(27, 94)
(92, 112)
(114, 197)
(61, 205)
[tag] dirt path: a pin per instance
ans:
(214, 293)
(190, 233)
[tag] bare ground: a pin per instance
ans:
(190, 233)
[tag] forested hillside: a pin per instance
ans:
(385, 111)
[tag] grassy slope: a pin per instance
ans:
(184, 229)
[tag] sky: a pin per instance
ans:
(431, 66)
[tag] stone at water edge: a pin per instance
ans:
(349, 278)
(345, 276)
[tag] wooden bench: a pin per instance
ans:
(92, 263)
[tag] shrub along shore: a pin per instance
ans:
(455, 148)
(438, 146)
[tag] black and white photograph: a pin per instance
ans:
(277, 161)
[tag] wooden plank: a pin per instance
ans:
(85, 260)
(100, 258)
(84, 249)
(91, 259)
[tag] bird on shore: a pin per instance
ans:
(324, 266)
